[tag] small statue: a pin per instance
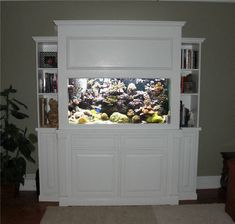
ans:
(52, 115)
(191, 122)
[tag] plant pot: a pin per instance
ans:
(9, 190)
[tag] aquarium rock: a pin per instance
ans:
(119, 118)
(104, 116)
(136, 119)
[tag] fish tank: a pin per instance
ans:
(118, 101)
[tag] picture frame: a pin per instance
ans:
(48, 59)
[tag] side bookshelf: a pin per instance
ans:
(47, 92)
(47, 78)
(189, 116)
(190, 82)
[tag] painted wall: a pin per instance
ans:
(213, 21)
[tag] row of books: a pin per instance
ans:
(48, 83)
(187, 84)
(43, 108)
(184, 115)
(189, 58)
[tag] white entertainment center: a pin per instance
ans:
(119, 164)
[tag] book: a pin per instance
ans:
(187, 84)
(184, 115)
(48, 83)
(43, 111)
(189, 57)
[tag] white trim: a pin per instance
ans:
(190, 40)
(39, 39)
(203, 182)
(188, 196)
(120, 22)
(208, 182)
(29, 183)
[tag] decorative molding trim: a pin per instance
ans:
(203, 182)
(208, 182)
(29, 183)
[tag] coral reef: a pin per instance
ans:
(116, 100)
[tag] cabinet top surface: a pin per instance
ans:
(192, 40)
(119, 22)
(48, 39)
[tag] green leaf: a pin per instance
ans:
(6, 92)
(3, 107)
(12, 130)
(14, 106)
(3, 137)
(33, 138)
(18, 115)
(19, 102)
(26, 148)
(10, 144)
(11, 90)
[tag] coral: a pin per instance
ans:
(147, 109)
(136, 119)
(73, 120)
(118, 99)
(117, 88)
(119, 118)
(82, 120)
(122, 107)
(155, 118)
(131, 89)
(158, 88)
(130, 113)
(104, 116)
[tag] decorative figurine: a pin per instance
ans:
(52, 115)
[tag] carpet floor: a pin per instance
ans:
(160, 214)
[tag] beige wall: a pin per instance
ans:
(213, 21)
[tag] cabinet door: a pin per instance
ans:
(48, 166)
(144, 166)
(143, 174)
(188, 165)
(93, 166)
(94, 174)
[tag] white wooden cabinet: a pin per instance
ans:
(119, 164)
(190, 101)
(190, 81)
(188, 156)
(48, 164)
(116, 167)
(46, 79)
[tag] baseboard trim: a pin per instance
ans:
(208, 182)
(203, 182)
(188, 196)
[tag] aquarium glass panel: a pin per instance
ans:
(118, 101)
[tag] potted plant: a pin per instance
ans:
(16, 144)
